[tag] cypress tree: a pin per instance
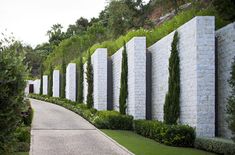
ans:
(89, 77)
(80, 81)
(231, 102)
(124, 86)
(50, 81)
(63, 78)
(172, 99)
(41, 76)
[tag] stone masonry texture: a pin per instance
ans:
(226, 52)
(197, 71)
(71, 82)
(45, 84)
(99, 63)
(56, 83)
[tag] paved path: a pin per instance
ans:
(58, 131)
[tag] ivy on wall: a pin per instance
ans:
(89, 77)
(231, 102)
(80, 82)
(123, 84)
(172, 99)
(50, 81)
(63, 78)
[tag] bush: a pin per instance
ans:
(174, 135)
(28, 114)
(216, 145)
(22, 136)
(112, 120)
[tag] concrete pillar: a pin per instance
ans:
(45, 84)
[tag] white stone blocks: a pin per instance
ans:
(56, 83)
(37, 84)
(197, 72)
(85, 85)
(71, 82)
(45, 85)
(99, 63)
(226, 52)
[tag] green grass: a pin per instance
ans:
(140, 145)
(21, 153)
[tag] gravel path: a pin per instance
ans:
(58, 131)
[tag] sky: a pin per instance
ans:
(29, 20)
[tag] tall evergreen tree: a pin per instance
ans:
(80, 81)
(89, 77)
(231, 102)
(50, 81)
(63, 78)
(172, 99)
(41, 81)
(124, 86)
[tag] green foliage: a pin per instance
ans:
(63, 79)
(231, 101)
(172, 99)
(80, 82)
(12, 85)
(124, 85)
(173, 135)
(50, 81)
(216, 145)
(27, 114)
(22, 137)
(89, 78)
(112, 120)
(41, 81)
(226, 8)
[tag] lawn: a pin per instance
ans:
(140, 145)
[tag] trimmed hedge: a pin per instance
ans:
(173, 135)
(101, 119)
(216, 145)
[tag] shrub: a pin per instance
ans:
(89, 76)
(216, 145)
(41, 81)
(28, 114)
(50, 81)
(124, 86)
(174, 135)
(80, 82)
(112, 120)
(22, 136)
(172, 99)
(63, 78)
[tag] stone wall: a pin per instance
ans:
(36, 84)
(56, 83)
(99, 63)
(197, 71)
(45, 85)
(225, 54)
(71, 82)
(136, 53)
(84, 83)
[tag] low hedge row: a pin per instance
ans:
(216, 145)
(101, 119)
(173, 135)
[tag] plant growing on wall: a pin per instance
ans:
(80, 81)
(89, 77)
(41, 81)
(172, 99)
(231, 102)
(50, 81)
(124, 86)
(63, 78)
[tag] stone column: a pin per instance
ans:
(45, 84)
(71, 82)
(56, 83)
(99, 63)
(36, 84)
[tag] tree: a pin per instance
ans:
(63, 78)
(89, 77)
(12, 85)
(231, 102)
(124, 85)
(80, 81)
(41, 81)
(50, 81)
(226, 8)
(55, 34)
(172, 99)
